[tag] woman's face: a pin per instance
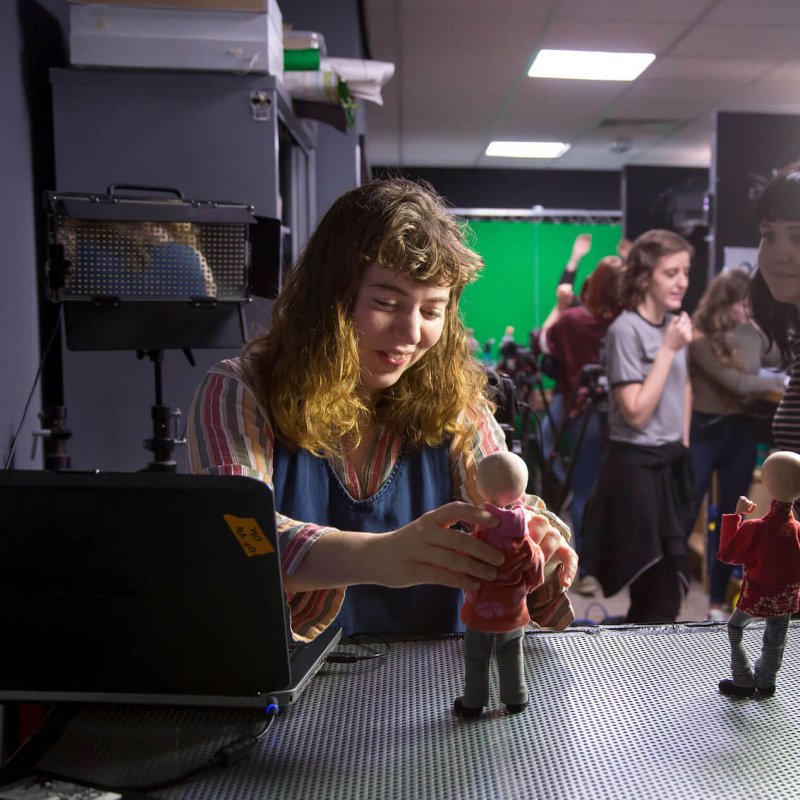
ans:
(669, 282)
(779, 259)
(397, 321)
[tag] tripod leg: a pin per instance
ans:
(553, 474)
(585, 417)
(545, 405)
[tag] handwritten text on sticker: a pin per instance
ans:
(248, 533)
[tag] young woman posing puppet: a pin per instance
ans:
(365, 411)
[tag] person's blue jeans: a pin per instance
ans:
(728, 445)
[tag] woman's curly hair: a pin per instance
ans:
(644, 255)
(713, 318)
(306, 370)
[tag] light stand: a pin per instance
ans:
(138, 270)
(165, 420)
(54, 434)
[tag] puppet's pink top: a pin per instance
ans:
(499, 605)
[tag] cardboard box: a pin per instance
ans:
(171, 38)
(264, 6)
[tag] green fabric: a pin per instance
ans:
(307, 60)
(524, 260)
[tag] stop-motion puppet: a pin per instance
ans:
(496, 614)
(769, 550)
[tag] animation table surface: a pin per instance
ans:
(627, 712)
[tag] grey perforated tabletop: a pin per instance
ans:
(614, 713)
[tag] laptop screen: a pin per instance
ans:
(139, 587)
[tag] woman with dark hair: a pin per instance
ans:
(365, 411)
(574, 341)
(725, 358)
(775, 292)
(633, 524)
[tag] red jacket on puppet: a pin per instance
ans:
(499, 605)
(769, 550)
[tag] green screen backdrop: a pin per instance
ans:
(524, 260)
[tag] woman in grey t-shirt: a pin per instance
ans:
(634, 533)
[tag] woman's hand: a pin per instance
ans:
(565, 294)
(428, 550)
(679, 332)
(554, 546)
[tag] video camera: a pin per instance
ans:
(592, 388)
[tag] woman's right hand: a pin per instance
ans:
(679, 332)
(429, 550)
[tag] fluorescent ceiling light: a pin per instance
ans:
(590, 65)
(527, 149)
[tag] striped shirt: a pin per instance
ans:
(786, 423)
(230, 433)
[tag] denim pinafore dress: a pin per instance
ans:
(306, 488)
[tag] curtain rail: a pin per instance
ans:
(535, 213)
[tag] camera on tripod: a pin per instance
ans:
(592, 388)
(515, 358)
(589, 399)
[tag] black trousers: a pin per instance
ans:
(656, 595)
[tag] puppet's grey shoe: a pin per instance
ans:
(731, 689)
(467, 712)
(766, 691)
(516, 708)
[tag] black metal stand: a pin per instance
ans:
(595, 401)
(54, 434)
(593, 406)
(165, 421)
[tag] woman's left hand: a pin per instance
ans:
(554, 546)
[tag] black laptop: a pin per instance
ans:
(145, 588)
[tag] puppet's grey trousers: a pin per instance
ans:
(510, 668)
(773, 644)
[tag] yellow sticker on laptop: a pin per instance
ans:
(248, 533)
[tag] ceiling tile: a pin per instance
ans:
(751, 41)
(690, 68)
(634, 10)
(583, 34)
(746, 12)
(461, 65)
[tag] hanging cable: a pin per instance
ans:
(49, 344)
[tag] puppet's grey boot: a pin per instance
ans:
(732, 689)
(468, 712)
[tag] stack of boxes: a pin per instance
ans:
(243, 36)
